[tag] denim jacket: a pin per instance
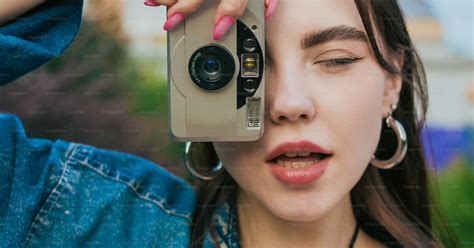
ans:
(62, 194)
(70, 195)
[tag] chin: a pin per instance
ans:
(299, 212)
(300, 216)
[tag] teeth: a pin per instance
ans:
(295, 165)
(294, 154)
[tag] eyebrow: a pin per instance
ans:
(341, 32)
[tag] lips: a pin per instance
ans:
(288, 150)
(298, 163)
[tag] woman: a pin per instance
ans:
(333, 80)
(337, 72)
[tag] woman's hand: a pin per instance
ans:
(12, 9)
(227, 12)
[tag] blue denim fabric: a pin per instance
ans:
(66, 194)
(37, 36)
(61, 194)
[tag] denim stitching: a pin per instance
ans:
(53, 197)
(82, 157)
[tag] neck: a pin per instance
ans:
(260, 228)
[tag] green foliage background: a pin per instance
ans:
(454, 192)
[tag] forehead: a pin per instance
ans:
(294, 18)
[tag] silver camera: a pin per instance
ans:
(216, 88)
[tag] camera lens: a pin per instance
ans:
(211, 70)
(211, 67)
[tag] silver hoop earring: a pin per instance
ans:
(401, 147)
(191, 167)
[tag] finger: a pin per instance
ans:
(270, 7)
(165, 2)
(227, 12)
(179, 10)
(232, 8)
(154, 3)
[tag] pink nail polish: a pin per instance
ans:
(150, 3)
(222, 27)
(271, 8)
(173, 21)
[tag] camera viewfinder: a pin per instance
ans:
(250, 65)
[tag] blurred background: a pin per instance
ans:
(109, 90)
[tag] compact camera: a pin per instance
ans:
(216, 88)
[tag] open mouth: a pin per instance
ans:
(296, 160)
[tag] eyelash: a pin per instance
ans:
(339, 62)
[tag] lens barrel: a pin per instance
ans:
(211, 70)
(211, 67)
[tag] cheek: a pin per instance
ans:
(239, 158)
(355, 119)
(244, 163)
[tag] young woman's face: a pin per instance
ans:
(323, 85)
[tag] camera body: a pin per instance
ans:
(216, 88)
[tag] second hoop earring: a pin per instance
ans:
(402, 144)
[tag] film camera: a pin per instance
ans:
(216, 88)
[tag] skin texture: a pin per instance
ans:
(341, 108)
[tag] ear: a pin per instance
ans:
(393, 83)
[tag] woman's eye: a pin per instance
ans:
(337, 63)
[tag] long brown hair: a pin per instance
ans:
(393, 205)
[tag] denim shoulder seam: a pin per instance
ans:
(82, 156)
(53, 197)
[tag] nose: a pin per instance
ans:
(289, 97)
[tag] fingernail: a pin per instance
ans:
(173, 21)
(151, 3)
(222, 27)
(271, 8)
